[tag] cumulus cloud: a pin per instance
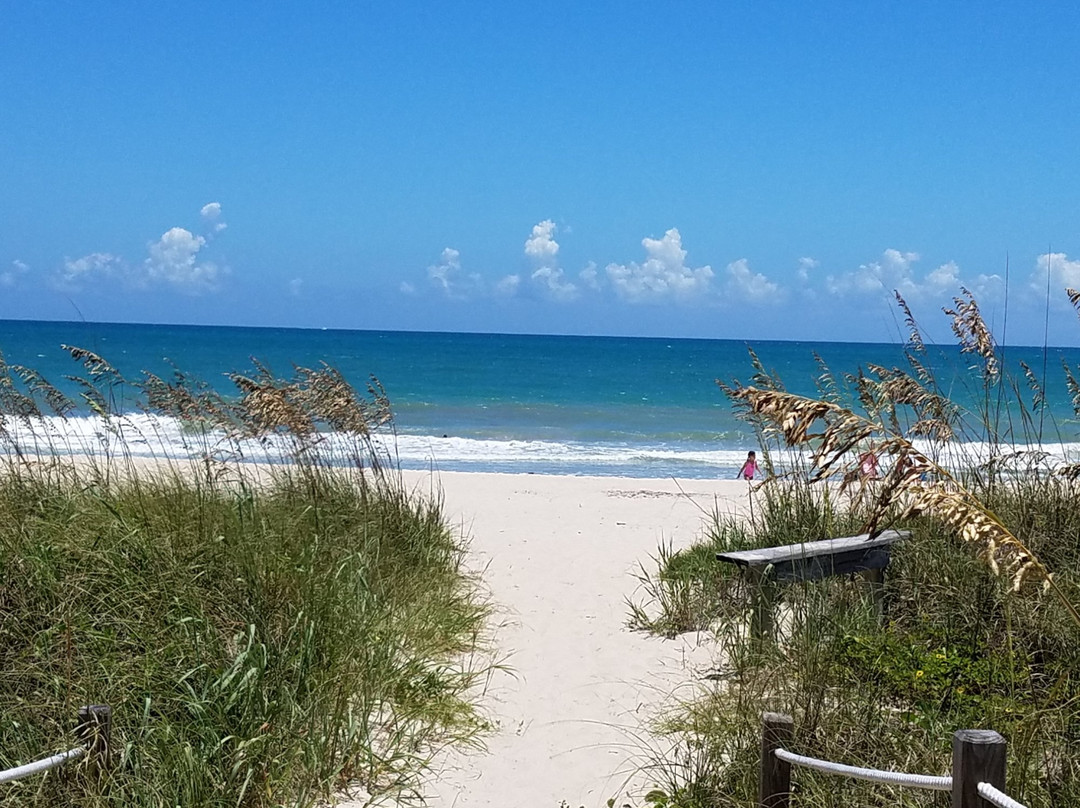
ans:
(946, 278)
(805, 266)
(9, 277)
(508, 285)
(91, 268)
(174, 259)
(743, 282)
(590, 276)
(451, 279)
(548, 277)
(1063, 273)
(541, 245)
(988, 288)
(211, 216)
(553, 282)
(663, 275)
(891, 271)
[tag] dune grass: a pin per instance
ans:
(263, 636)
(980, 628)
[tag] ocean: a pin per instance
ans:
(639, 407)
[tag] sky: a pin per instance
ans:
(742, 170)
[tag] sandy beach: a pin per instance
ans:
(558, 555)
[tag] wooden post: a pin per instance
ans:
(875, 582)
(978, 756)
(764, 600)
(94, 729)
(774, 780)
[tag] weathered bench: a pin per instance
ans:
(812, 561)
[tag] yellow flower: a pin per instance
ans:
(918, 674)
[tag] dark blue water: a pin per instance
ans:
(614, 405)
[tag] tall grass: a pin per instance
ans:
(264, 636)
(981, 626)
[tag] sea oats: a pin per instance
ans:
(903, 492)
(971, 332)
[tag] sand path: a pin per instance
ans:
(558, 554)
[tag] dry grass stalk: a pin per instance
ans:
(1074, 298)
(1073, 386)
(915, 340)
(99, 370)
(1038, 392)
(971, 332)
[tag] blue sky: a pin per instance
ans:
(736, 170)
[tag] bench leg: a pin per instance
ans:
(764, 594)
(875, 581)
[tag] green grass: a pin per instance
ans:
(259, 645)
(264, 636)
(958, 650)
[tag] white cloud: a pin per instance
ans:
(211, 216)
(805, 265)
(451, 279)
(548, 277)
(407, 288)
(988, 288)
(91, 267)
(946, 278)
(892, 271)
(541, 245)
(1063, 274)
(9, 277)
(590, 276)
(296, 286)
(174, 260)
(508, 285)
(664, 274)
(743, 282)
(554, 284)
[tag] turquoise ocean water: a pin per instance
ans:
(515, 403)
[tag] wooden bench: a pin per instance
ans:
(811, 561)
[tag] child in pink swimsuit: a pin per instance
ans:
(749, 468)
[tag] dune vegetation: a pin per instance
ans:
(264, 635)
(980, 627)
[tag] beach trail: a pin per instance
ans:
(558, 555)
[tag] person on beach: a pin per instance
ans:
(868, 465)
(749, 468)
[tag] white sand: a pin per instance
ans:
(558, 554)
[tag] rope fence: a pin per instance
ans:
(998, 798)
(926, 781)
(977, 780)
(92, 730)
(43, 765)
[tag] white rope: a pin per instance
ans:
(42, 765)
(998, 798)
(927, 781)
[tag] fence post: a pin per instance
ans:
(774, 783)
(93, 729)
(978, 757)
